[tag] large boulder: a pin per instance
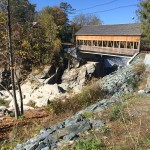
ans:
(44, 94)
(76, 77)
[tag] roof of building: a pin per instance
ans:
(117, 29)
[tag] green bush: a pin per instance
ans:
(5, 147)
(115, 112)
(2, 102)
(89, 144)
(88, 114)
(133, 83)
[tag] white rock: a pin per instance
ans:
(27, 100)
(3, 107)
(55, 89)
(141, 92)
(25, 107)
(147, 59)
(70, 75)
(90, 67)
(41, 102)
(77, 89)
(64, 86)
(27, 87)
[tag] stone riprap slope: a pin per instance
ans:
(66, 131)
(70, 129)
(120, 81)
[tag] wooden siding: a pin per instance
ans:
(108, 50)
(109, 38)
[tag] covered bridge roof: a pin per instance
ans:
(118, 29)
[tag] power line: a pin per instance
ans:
(113, 8)
(109, 9)
(97, 5)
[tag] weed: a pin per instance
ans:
(19, 135)
(139, 68)
(105, 129)
(21, 118)
(32, 104)
(14, 132)
(89, 144)
(127, 96)
(119, 148)
(69, 90)
(88, 114)
(3, 102)
(40, 97)
(115, 112)
(5, 147)
(133, 83)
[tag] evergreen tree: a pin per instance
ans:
(144, 15)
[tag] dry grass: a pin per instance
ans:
(88, 96)
(139, 68)
(13, 131)
(130, 130)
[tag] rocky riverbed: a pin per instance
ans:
(38, 90)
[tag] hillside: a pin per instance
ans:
(117, 116)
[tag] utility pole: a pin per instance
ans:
(11, 61)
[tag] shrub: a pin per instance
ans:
(105, 129)
(133, 83)
(32, 104)
(90, 144)
(88, 114)
(139, 68)
(3, 102)
(115, 112)
(88, 96)
(5, 147)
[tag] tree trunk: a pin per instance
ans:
(20, 93)
(21, 99)
(11, 62)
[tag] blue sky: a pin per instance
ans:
(124, 13)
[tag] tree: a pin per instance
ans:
(17, 26)
(3, 32)
(11, 62)
(22, 11)
(67, 29)
(83, 20)
(50, 24)
(66, 8)
(144, 15)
